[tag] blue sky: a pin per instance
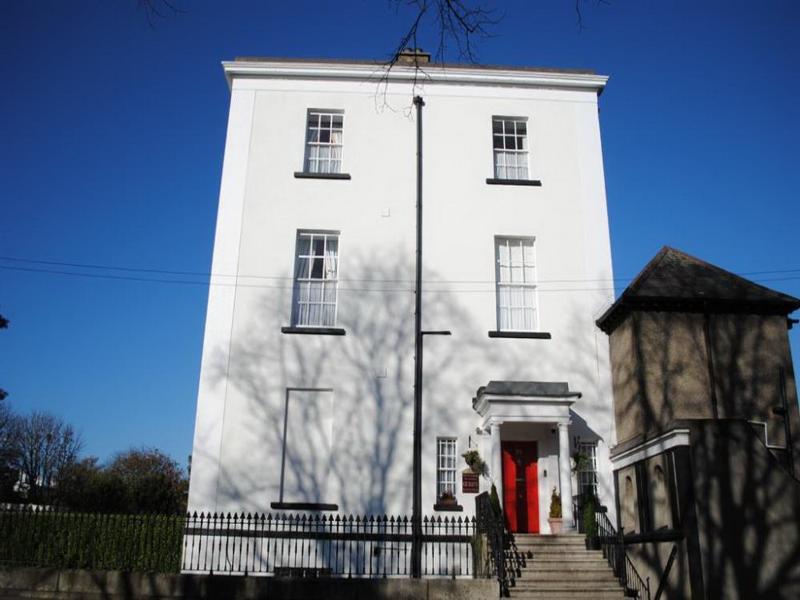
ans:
(111, 142)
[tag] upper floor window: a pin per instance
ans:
(516, 284)
(315, 279)
(510, 142)
(324, 141)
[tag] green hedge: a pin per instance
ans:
(144, 543)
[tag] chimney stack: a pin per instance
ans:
(413, 57)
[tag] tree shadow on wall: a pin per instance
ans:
(741, 505)
(370, 370)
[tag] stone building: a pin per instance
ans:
(708, 455)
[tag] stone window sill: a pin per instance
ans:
(448, 507)
(304, 175)
(314, 330)
(534, 335)
(528, 182)
(303, 506)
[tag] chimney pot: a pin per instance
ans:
(413, 56)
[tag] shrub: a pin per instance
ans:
(589, 522)
(555, 505)
(494, 500)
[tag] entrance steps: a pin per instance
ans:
(559, 567)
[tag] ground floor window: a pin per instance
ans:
(445, 467)
(587, 468)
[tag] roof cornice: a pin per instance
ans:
(398, 73)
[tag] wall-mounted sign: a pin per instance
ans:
(470, 483)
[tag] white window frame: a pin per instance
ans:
(512, 142)
(446, 475)
(587, 471)
(320, 122)
(528, 282)
(301, 280)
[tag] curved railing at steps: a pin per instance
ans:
(501, 552)
(612, 543)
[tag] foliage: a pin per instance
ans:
(494, 499)
(8, 475)
(475, 462)
(85, 486)
(153, 481)
(555, 505)
(580, 461)
(147, 543)
(447, 497)
(589, 521)
(137, 481)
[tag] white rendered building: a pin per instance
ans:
(306, 388)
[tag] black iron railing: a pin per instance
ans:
(303, 545)
(613, 545)
(500, 550)
(326, 545)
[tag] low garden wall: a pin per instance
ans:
(55, 584)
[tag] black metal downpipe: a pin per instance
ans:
(416, 510)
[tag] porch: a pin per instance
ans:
(525, 433)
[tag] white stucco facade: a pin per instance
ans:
(356, 450)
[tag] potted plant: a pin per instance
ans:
(555, 513)
(580, 461)
(447, 498)
(475, 462)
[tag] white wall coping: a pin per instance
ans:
(399, 73)
(651, 448)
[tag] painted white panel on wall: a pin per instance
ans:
(308, 433)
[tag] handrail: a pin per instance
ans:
(663, 582)
(612, 544)
(489, 522)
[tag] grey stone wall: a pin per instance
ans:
(111, 585)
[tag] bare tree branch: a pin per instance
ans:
(42, 445)
(457, 22)
(579, 11)
(158, 9)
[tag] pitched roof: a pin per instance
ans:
(674, 280)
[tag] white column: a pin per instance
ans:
(496, 461)
(565, 476)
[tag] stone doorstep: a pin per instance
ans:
(572, 538)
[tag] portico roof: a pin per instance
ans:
(524, 401)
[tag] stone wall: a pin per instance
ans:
(112, 585)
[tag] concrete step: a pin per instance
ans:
(549, 539)
(585, 577)
(572, 595)
(569, 586)
(559, 559)
(558, 551)
(549, 566)
(550, 548)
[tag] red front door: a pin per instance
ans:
(521, 486)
